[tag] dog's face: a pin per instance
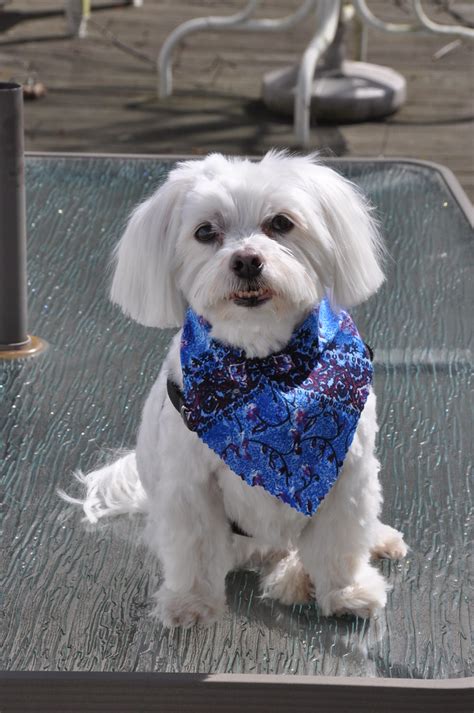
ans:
(250, 246)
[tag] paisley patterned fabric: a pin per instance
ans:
(284, 422)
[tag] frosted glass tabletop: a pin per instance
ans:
(79, 600)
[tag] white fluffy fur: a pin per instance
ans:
(186, 491)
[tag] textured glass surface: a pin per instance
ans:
(78, 600)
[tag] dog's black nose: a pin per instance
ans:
(245, 263)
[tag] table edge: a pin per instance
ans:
(449, 177)
(200, 693)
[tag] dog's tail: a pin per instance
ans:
(113, 490)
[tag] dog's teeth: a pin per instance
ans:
(246, 294)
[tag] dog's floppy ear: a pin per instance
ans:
(355, 240)
(143, 282)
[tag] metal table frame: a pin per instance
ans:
(232, 693)
(448, 176)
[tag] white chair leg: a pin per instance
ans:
(424, 24)
(165, 87)
(241, 21)
(327, 18)
(77, 15)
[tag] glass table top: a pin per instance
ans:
(78, 599)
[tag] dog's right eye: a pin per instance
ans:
(206, 233)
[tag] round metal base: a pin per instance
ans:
(30, 348)
(355, 92)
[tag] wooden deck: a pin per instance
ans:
(102, 98)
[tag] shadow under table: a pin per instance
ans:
(75, 602)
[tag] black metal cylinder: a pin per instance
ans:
(13, 307)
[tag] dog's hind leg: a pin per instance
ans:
(389, 543)
(286, 580)
(282, 575)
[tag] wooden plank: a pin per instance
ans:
(102, 99)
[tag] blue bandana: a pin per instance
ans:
(284, 422)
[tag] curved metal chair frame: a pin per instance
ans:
(327, 14)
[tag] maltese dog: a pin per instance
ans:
(256, 446)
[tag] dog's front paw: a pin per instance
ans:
(362, 598)
(288, 581)
(186, 608)
(390, 543)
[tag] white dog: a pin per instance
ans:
(252, 249)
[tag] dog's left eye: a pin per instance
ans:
(280, 224)
(206, 233)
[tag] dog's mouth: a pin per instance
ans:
(251, 298)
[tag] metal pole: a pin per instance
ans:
(12, 218)
(14, 339)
